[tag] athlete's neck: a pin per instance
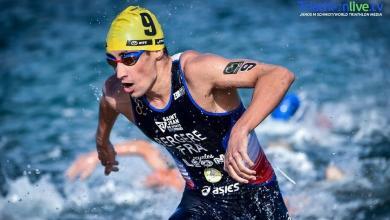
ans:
(160, 92)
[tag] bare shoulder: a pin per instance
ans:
(202, 71)
(111, 90)
(188, 56)
(197, 65)
(221, 73)
(192, 58)
(111, 86)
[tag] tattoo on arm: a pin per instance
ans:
(234, 67)
(247, 66)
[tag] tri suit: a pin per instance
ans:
(197, 140)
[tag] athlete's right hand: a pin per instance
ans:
(106, 155)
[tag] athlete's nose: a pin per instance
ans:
(121, 71)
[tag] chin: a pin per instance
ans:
(136, 94)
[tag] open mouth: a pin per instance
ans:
(127, 85)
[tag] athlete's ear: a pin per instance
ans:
(159, 54)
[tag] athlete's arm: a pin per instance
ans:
(113, 102)
(270, 83)
(107, 118)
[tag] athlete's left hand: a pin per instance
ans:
(237, 160)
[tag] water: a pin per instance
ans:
(53, 68)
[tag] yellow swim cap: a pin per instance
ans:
(135, 28)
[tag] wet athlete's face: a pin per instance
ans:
(139, 77)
